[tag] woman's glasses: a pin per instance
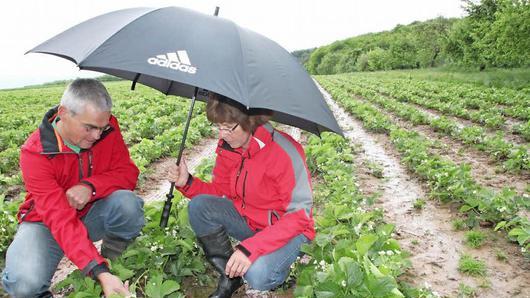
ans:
(226, 130)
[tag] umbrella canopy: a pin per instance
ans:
(175, 50)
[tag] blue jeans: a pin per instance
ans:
(33, 256)
(208, 213)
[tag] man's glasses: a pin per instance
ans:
(90, 128)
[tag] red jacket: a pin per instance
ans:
(270, 186)
(49, 168)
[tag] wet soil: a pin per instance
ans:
(155, 186)
(427, 234)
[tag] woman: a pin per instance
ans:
(260, 195)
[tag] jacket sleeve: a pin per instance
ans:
(294, 181)
(220, 184)
(122, 174)
(52, 206)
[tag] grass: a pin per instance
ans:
(501, 255)
(419, 204)
(475, 239)
(459, 224)
(471, 266)
(465, 291)
(374, 169)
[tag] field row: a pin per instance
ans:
(447, 181)
(512, 157)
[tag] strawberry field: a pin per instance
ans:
(463, 145)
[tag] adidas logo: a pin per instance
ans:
(178, 61)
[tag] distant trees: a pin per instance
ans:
(412, 46)
(496, 33)
(302, 55)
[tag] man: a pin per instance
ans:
(79, 180)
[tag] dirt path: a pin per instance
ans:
(155, 187)
(428, 234)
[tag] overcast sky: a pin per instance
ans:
(296, 24)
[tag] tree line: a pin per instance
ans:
(495, 33)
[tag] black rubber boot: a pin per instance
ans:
(218, 249)
(46, 294)
(112, 248)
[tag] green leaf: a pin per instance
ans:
(465, 208)
(364, 243)
(324, 294)
(386, 229)
(168, 287)
(322, 240)
(304, 291)
(122, 272)
(381, 286)
(352, 270)
(187, 244)
(500, 225)
(391, 244)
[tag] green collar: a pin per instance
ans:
(74, 148)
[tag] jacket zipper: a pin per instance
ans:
(90, 166)
(239, 171)
(80, 159)
(244, 187)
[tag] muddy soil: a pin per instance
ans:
(155, 187)
(427, 234)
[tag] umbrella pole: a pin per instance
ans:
(169, 196)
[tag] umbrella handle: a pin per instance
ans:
(169, 196)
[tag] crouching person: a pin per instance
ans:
(79, 180)
(260, 195)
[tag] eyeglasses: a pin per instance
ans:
(226, 130)
(90, 128)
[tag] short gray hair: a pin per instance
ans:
(83, 91)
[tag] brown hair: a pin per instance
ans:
(221, 109)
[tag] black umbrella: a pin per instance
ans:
(182, 52)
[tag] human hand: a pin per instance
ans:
(178, 174)
(237, 265)
(111, 284)
(78, 196)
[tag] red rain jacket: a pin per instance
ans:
(269, 185)
(50, 168)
